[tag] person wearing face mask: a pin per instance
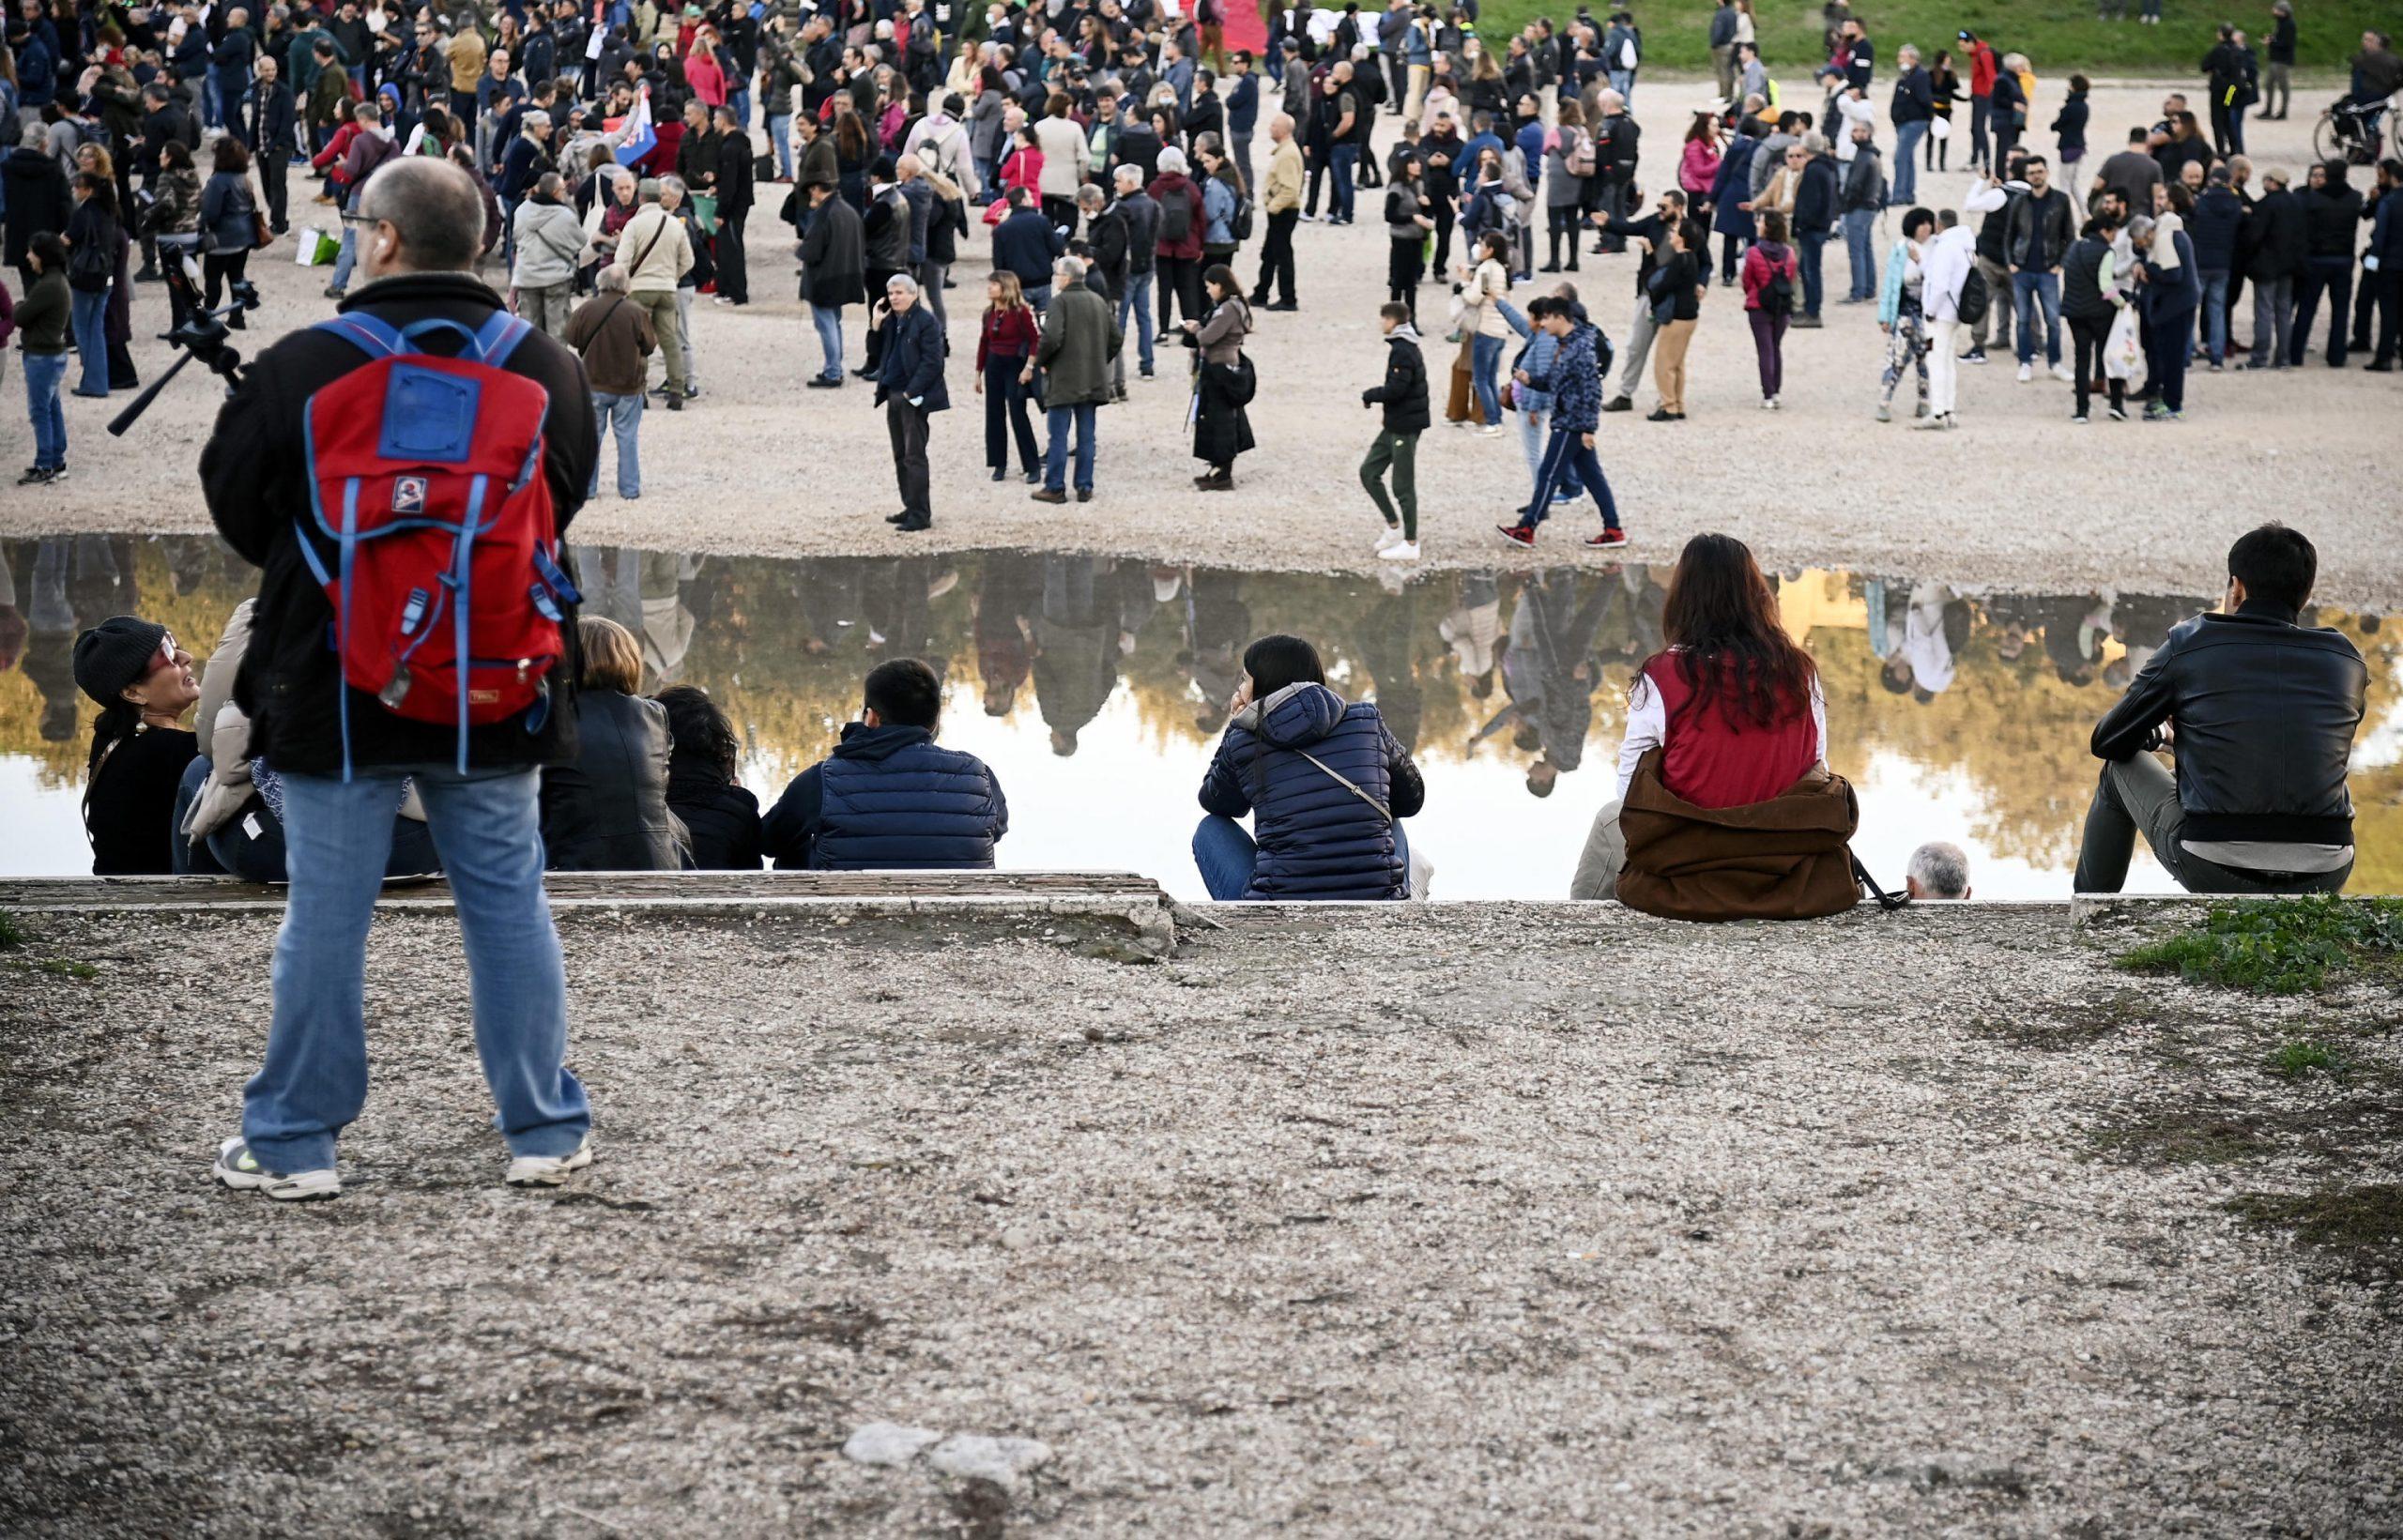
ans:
(343, 754)
(145, 684)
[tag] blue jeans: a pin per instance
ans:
(1807, 248)
(2215, 313)
(1859, 225)
(624, 413)
(338, 836)
(1342, 162)
(90, 315)
(1225, 854)
(251, 847)
(44, 374)
(1485, 361)
(1905, 184)
(345, 259)
(780, 135)
(1138, 298)
(1535, 423)
(828, 319)
(1623, 81)
(1568, 451)
(2028, 292)
(1056, 421)
(740, 103)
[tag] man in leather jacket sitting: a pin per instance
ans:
(2259, 711)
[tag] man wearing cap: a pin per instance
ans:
(342, 756)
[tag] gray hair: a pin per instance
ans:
(902, 281)
(1814, 143)
(1172, 159)
(535, 118)
(433, 205)
(1130, 176)
(1908, 53)
(1941, 869)
(1069, 269)
(612, 279)
(1091, 196)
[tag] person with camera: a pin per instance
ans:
(343, 754)
(2259, 711)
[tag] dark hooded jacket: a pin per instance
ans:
(888, 799)
(1403, 393)
(1317, 839)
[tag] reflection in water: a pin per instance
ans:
(1096, 687)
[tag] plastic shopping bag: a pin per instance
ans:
(2123, 350)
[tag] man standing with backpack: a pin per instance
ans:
(384, 419)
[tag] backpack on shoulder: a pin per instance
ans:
(1176, 219)
(1976, 299)
(426, 474)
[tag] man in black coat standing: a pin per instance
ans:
(2271, 245)
(834, 273)
(910, 387)
(271, 119)
(734, 199)
(343, 758)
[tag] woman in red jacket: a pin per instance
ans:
(1731, 702)
(1004, 375)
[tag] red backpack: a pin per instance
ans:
(426, 473)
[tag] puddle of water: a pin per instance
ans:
(1093, 687)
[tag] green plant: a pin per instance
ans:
(12, 935)
(2360, 1220)
(2292, 1060)
(2279, 947)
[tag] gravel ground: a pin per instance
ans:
(2017, 498)
(1389, 1221)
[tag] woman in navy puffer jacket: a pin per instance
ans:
(1290, 741)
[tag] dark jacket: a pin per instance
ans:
(834, 256)
(2331, 215)
(1025, 243)
(1404, 394)
(885, 226)
(255, 474)
(2215, 224)
(269, 113)
(36, 197)
(613, 336)
(2273, 239)
(2082, 296)
(1816, 196)
(888, 799)
(228, 206)
(606, 809)
(2058, 228)
(2266, 711)
(912, 361)
(1107, 233)
(720, 819)
(1317, 839)
(1914, 97)
(735, 175)
(2069, 125)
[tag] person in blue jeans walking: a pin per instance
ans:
(42, 317)
(614, 337)
(2037, 232)
(1575, 386)
(1913, 109)
(1325, 784)
(1143, 215)
(343, 757)
(1079, 339)
(1864, 200)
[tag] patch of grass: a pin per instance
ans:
(2057, 36)
(67, 967)
(2280, 947)
(2196, 1137)
(12, 931)
(2363, 1223)
(2304, 1056)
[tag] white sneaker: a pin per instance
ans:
(548, 1170)
(1768, 406)
(1928, 422)
(238, 1169)
(2061, 372)
(1777, 404)
(1389, 538)
(1492, 430)
(2027, 373)
(1401, 551)
(1885, 413)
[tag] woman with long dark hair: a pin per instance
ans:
(145, 684)
(721, 816)
(1223, 383)
(1731, 707)
(93, 236)
(228, 223)
(1325, 782)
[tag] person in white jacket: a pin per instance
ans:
(1943, 271)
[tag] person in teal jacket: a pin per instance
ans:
(1899, 317)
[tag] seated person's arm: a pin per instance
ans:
(791, 826)
(2133, 725)
(1222, 790)
(1409, 791)
(1648, 725)
(1000, 807)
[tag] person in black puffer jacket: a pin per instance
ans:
(1403, 396)
(888, 799)
(720, 815)
(1327, 786)
(606, 811)
(2213, 227)
(2332, 218)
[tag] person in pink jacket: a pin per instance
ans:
(703, 73)
(1698, 163)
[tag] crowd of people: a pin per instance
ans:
(1135, 151)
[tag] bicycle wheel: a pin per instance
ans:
(2326, 145)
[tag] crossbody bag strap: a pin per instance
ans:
(1886, 901)
(664, 219)
(1348, 784)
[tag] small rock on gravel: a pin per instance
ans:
(887, 1444)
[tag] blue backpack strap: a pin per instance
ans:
(371, 334)
(415, 330)
(498, 337)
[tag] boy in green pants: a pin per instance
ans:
(1403, 396)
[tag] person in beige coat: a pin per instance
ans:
(655, 253)
(1068, 155)
(1280, 199)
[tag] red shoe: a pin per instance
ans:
(1609, 536)
(1517, 534)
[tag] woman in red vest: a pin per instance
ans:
(1731, 702)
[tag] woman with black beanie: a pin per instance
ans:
(145, 684)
